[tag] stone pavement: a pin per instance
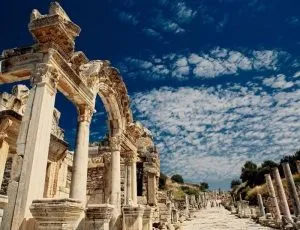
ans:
(220, 219)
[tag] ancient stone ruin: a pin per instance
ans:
(108, 185)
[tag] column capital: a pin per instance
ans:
(115, 143)
(45, 74)
(85, 113)
(129, 156)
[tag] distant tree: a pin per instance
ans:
(265, 168)
(189, 191)
(235, 183)
(292, 162)
(177, 178)
(249, 173)
(204, 186)
(162, 181)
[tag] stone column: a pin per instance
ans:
(134, 180)
(151, 171)
(291, 186)
(81, 154)
(281, 195)
(261, 205)
(187, 204)
(33, 141)
(128, 191)
(115, 196)
(273, 197)
(4, 147)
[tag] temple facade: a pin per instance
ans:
(110, 184)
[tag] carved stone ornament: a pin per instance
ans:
(4, 125)
(115, 143)
(55, 129)
(94, 72)
(45, 74)
(85, 113)
(15, 101)
(129, 156)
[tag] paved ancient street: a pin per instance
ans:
(220, 219)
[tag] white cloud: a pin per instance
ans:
(170, 26)
(217, 62)
(278, 81)
(215, 130)
(183, 12)
(265, 59)
(297, 74)
(152, 33)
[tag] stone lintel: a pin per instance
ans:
(20, 66)
(127, 143)
(56, 213)
(16, 65)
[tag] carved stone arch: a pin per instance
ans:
(113, 110)
(107, 82)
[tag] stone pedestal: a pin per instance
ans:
(98, 216)
(3, 205)
(133, 217)
(147, 218)
(59, 214)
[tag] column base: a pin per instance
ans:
(98, 216)
(147, 218)
(133, 217)
(59, 214)
(3, 205)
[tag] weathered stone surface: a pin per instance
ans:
(61, 214)
(133, 217)
(43, 167)
(98, 216)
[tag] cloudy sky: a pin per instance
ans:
(216, 81)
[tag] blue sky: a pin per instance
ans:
(216, 81)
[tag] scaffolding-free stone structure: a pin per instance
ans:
(112, 184)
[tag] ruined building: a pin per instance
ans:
(112, 184)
